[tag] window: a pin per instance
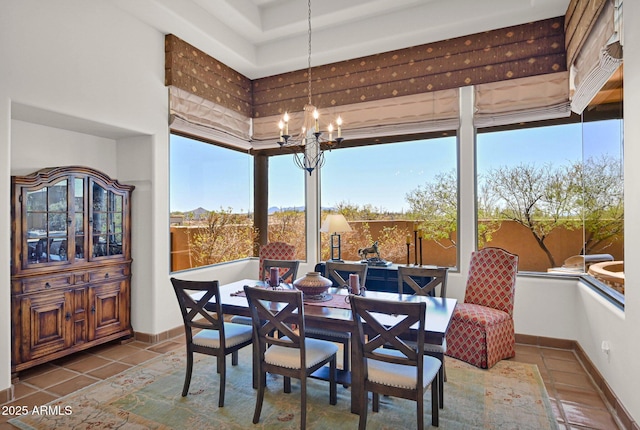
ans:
(386, 191)
(553, 195)
(287, 204)
(211, 204)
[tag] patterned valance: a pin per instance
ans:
(525, 50)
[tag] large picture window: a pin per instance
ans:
(554, 196)
(211, 204)
(395, 194)
(287, 204)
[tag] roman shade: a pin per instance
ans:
(594, 47)
(533, 98)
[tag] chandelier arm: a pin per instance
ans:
(310, 140)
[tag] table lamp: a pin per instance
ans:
(335, 224)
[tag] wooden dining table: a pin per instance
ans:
(335, 314)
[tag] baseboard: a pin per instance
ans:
(6, 395)
(618, 408)
(159, 337)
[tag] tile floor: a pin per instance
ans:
(577, 402)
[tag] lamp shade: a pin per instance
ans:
(335, 223)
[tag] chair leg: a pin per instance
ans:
(420, 412)
(441, 379)
(234, 358)
(435, 408)
(259, 397)
(346, 358)
(287, 384)
(333, 391)
(303, 402)
(364, 405)
(223, 376)
(187, 376)
(376, 402)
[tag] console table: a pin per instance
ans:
(379, 278)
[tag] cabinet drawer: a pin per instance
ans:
(47, 283)
(107, 273)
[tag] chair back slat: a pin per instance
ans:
(437, 277)
(339, 272)
(288, 269)
(387, 324)
(194, 313)
(273, 312)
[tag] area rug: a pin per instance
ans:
(509, 396)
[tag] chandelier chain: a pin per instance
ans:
(309, 51)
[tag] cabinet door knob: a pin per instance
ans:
(67, 316)
(106, 276)
(93, 309)
(47, 285)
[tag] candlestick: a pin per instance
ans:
(415, 253)
(286, 123)
(330, 130)
(354, 283)
(315, 116)
(339, 122)
(408, 245)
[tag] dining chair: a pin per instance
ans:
(289, 353)
(214, 336)
(482, 330)
(388, 364)
(275, 251)
(424, 281)
(288, 273)
(338, 273)
(288, 269)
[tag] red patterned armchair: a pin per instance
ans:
(276, 251)
(481, 331)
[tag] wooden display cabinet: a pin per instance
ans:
(70, 263)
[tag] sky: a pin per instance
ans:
(211, 177)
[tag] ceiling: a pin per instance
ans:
(261, 38)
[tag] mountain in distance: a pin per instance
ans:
(198, 212)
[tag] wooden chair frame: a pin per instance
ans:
(334, 271)
(196, 317)
(288, 269)
(438, 278)
(273, 312)
(371, 341)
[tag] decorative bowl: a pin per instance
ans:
(312, 284)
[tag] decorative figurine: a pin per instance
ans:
(373, 261)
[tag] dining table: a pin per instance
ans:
(333, 312)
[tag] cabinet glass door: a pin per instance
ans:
(107, 220)
(78, 202)
(47, 217)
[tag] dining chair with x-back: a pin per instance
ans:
(289, 353)
(207, 332)
(338, 273)
(389, 365)
(425, 281)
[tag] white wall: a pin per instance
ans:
(103, 70)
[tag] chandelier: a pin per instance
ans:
(310, 142)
